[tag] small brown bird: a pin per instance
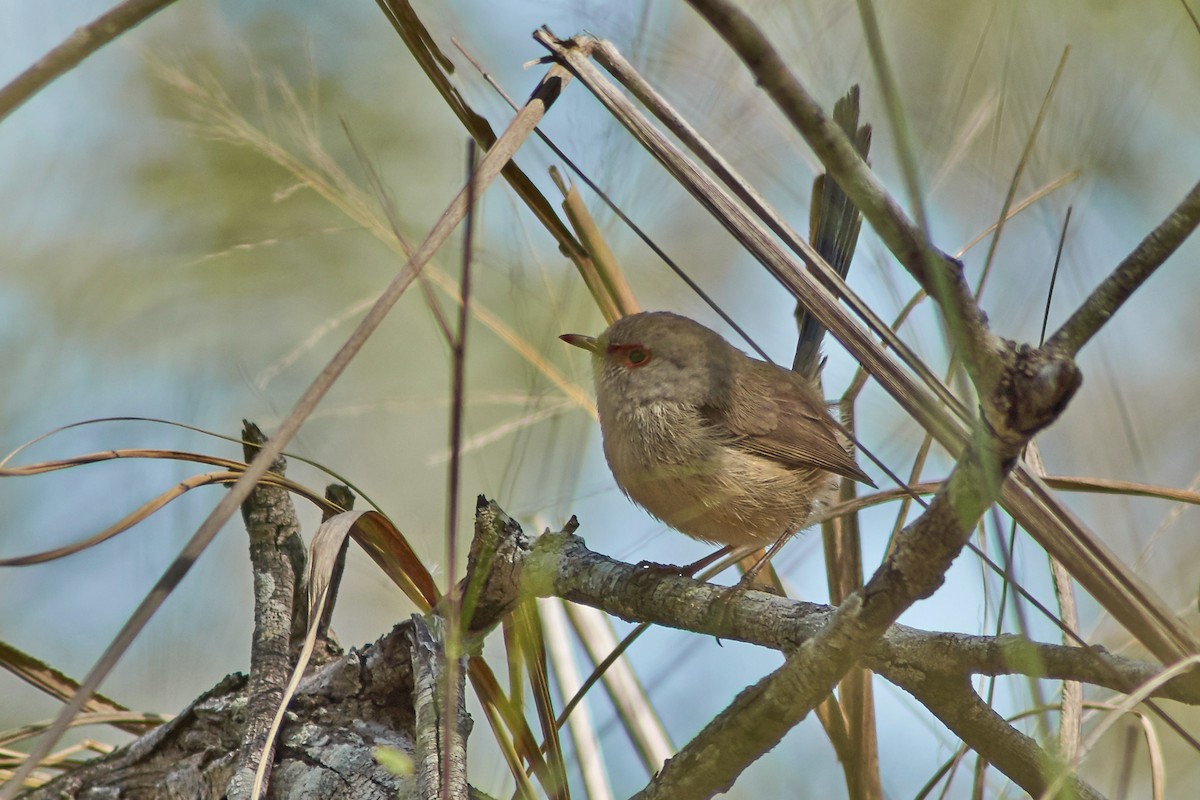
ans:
(718, 445)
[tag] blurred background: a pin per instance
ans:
(150, 266)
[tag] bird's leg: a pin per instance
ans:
(687, 570)
(750, 579)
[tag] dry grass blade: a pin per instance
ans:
(127, 720)
(42, 676)
(594, 631)
(500, 154)
(588, 756)
(43, 467)
(601, 273)
(1154, 753)
(1070, 720)
(507, 751)
(1134, 698)
(64, 759)
(132, 721)
(150, 507)
(389, 549)
(1158, 779)
(200, 458)
(1067, 483)
(532, 642)
(143, 512)
(505, 716)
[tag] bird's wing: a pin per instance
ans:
(789, 426)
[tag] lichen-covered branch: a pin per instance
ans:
(341, 713)
(277, 559)
(441, 733)
(560, 565)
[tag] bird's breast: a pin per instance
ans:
(668, 460)
(657, 436)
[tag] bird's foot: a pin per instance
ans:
(752, 580)
(687, 570)
(665, 569)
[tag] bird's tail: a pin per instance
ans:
(834, 224)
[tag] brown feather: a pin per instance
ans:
(791, 426)
(716, 444)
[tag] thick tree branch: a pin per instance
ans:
(561, 565)
(441, 749)
(918, 661)
(277, 559)
(341, 713)
(1016, 755)
(1131, 273)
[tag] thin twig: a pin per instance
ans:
(82, 42)
(452, 607)
(1062, 240)
(1129, 275)
(278, 563)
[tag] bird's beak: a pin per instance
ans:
(588, 343)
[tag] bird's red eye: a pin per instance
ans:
(630, 355)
